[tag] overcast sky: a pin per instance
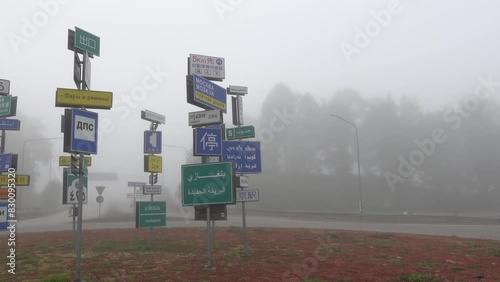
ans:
(435, 50)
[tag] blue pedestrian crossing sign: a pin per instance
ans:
(207, 141)
(152, 142)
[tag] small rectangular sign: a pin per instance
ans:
(84, 98)
(152, 189)
(135, 184)
(237, 90)
(4, 193)
(3, 215)
(240, 132)
(66, 161)
(242, 181)
(21, 180)
(152, 116)
(152, 163)
(250, 195)
(70, 188)
(207, 66)
(10, 124)
(4, 87)
(152, 142)
(150, 214)
(5, 106)
(87, 41)
(133, 195)
(207, 141)
(202, 118)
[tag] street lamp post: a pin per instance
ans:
(359, 166)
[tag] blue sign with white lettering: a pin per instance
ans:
(209, 93)
(245, 154)
(83, 131)
(152, 142)
(5, 162)
(207, 142)
(3, 215)
(10, 124)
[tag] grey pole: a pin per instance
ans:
(359, 163)
(209, 245)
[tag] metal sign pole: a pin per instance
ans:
(79, 196)
(243, 213)
(150, 228)
(209, 245)
(213, 233)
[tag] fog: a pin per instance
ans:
(418, 79)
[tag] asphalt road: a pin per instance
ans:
(432, 225)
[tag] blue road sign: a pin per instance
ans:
(83, 131)
(5, 162)
(245, 154)
(209, 93)
(152, 142)
(3, 215)
(10, 124)
(207, 141)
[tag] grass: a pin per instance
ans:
(315, 280)
(429, 263)
(496, 253)
(293, 253)
(397, 261)
(178, 268)
(418, 277)
(56, 278)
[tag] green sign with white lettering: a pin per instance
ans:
(150, 214)
(5, 105)
(210, 183)
(87, 41)
(240, 132)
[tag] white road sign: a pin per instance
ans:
(152, 116)
(207, 66)
(202, 118)
(250, 195)
(152, 189)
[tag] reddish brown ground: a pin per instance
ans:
(179, 254)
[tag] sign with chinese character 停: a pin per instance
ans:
(245, 154)
(207, 141)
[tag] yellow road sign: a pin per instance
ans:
(66, 161)
(152, 163)
(84, 98)
(20, 179)
(4, 193)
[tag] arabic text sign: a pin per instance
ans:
(10, 124)
(66, 161)
(240, 132)
(207, 66)
(21, 180)
(70, 188)
(207, 141)
(209, 93)
(84, 98)
(207, 184)
(150, 214)
(5, 105)
(152, 163)
(245, 154)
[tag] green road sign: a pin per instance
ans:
(5, 105)
(240, 132)
(204, 184)
(87, 41)
(150, 214)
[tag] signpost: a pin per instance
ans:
(209, 94)
(245, 155)
(207, 141)
(152, 142)
(4, 87)
(240, 132)
(213, 68)
(84, 98)
(150, 214)
(204, 184)
(10, 124)
(202, 118)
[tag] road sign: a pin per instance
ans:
(77, 70)
(87, 67)
(242, 181)
(133, 195)
(3, 215)
(136, 184)
(84, 98)
(70, 188)
(202, 118)
(207, 141)
(8, 161)
(150, 214)
(6, 106)
(217, 212)
(245, 155)
(152, 189)
(250, 195)
(82, 135)
(99, 199)
(237, 110)
(4, 87)
(209, 93)
(204, 184)
(10, 124)
(153, 178)
(21, 180)
(240, 132)
(152, 163)
(152, 142)
(237, 90)
(100, 189)
(152, 116)
(66, 161)
(207, 66)
(4, 193)
(87, 41)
